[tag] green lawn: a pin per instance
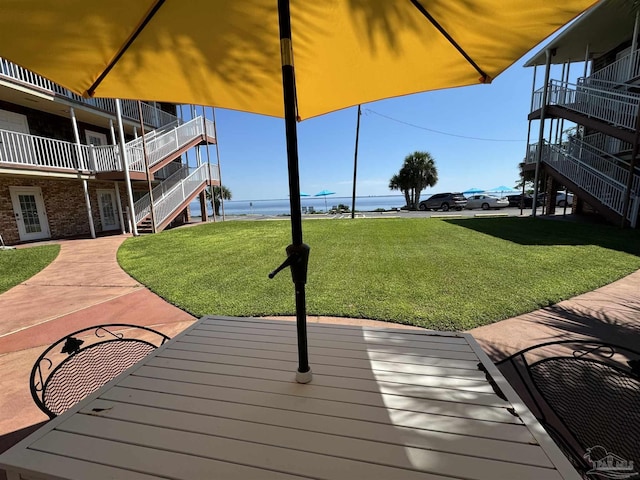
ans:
(444, 274)
(18, 265)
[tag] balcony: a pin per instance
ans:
(20, 150)
(152, 116)
(618, 109)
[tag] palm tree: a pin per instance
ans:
(417, 173)
(218, 193)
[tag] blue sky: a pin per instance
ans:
(253, 151)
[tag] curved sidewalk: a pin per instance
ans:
(83, 286)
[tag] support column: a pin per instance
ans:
(85, 186)
(152, 207)
(114, 140)
(125, 168)
(634, 45)
(543, 106)
(119, 205)
(526, 155)
(203, 207)
(586, 61)
(206, 141)
(215, 135)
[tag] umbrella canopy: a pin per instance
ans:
(303, 194)
(324, 193)
(473, 190)
(241, 55)
(502, 189)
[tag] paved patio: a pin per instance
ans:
(85, 286)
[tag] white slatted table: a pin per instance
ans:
(219, 402)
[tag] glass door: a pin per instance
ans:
(29, 212)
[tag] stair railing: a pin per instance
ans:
(608, 191)
(622, 70)
(179, 193)
(617, 108)
(160, 146)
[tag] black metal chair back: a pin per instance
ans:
(587, 396)
(83, 361)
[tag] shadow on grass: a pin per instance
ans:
(537, 231)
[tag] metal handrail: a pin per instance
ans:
(25, 149)
(622, 70)
(169, 202)
(162, 145)
(617, 108)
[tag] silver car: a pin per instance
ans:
(486, 202)
(444, 202)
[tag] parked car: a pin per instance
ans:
(444, 202)
(486, 202)
(562, 199)
(517, 200)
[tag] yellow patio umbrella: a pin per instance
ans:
(241, 55)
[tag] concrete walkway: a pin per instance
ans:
(84, 286)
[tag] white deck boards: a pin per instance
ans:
(219, 402)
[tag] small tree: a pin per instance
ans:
(527, 177)
(219, 192)
(417, 173)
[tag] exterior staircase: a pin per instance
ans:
(166, 145)
(595, 168)
(171, 197)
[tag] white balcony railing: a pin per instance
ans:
(622, 70)
(152, 116)
(29, 150)
(607, 144)
(617, 108)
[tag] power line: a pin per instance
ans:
(439, 131)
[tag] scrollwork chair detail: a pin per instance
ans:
(83, 361)
(585, 393)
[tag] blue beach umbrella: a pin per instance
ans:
(325, 193)
(473, 190)
(502, 189)
(303, 194)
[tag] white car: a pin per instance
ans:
(561, 199)
(486, 202)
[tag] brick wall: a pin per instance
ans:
(64, 205)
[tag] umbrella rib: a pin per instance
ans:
(484, 77)
(91, 90)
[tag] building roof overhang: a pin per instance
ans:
(601, 28)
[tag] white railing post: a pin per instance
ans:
(125, 166)
(92, 150)
(80, 166)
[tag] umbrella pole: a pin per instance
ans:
(297, 252)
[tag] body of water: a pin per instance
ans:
(281, 207)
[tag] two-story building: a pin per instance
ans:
(586, 114)
(73, 167)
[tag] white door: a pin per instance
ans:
(14, 149)
(29, 212)
(108, 210)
